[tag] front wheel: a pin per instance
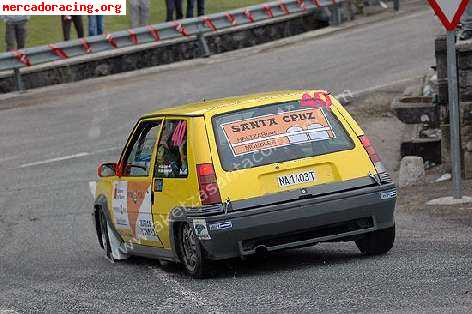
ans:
(377, 242)
(191, 252)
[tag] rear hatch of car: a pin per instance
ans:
(277, 147)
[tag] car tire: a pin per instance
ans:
(192, 254)
(104, 236)
(377, 242)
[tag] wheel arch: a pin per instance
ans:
(177, 218)
(101, 204)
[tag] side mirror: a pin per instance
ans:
(106, 170)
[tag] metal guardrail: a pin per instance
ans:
(161, 32)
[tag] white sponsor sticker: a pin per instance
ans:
(388, 195)
(221, 225)
(93, 189)
(120, 204)
(200, 228)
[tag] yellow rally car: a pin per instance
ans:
(232, 177)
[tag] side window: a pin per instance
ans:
(138, 162)
(171, 157)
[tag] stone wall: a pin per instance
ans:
(464, 65)
(123, 60)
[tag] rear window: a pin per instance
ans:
(276, 133)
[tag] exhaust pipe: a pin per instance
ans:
(261, 250)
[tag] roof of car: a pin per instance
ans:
(229, 104)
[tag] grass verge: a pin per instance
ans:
(47, 29)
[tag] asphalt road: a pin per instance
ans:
(49, 257)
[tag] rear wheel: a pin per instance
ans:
(377, 242)
(191, 252)
(105, 239)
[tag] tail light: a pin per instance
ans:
(374, 157)
(209, 192)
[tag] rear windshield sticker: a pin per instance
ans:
(179, 133)
(318, 100)
(277, 130)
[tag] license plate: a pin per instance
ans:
(296, 178)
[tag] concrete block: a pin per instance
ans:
(411, 171)
(413, 90)
(414, 110)
(428, 149)
(413, 144)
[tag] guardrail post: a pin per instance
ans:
(336, 14)
(204, 46)
(347, 10)
(396, 5)
(19, 80)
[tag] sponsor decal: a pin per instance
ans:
(220, 225)
(388, 195)
(132, 209)
(277, 130)
(319, 100)
(200, 228)
(140, 206)
(120, 204)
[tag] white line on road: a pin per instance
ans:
(93, 188)
(349, 94)
(7, 159)
(57, 159)
(52, 160)
(340, 96)
(183, 294)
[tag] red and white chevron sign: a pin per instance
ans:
(449, 11)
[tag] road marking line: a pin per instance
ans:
(93, 188)
(57, 159)
(105, 150)
(52, 160)
(189, 296)
(339, 96)
(349, 94)
(7, 159)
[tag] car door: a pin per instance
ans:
(175, 181)
(132, 194)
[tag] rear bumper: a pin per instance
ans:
(297, 223)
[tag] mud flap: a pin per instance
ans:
(118, 249)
